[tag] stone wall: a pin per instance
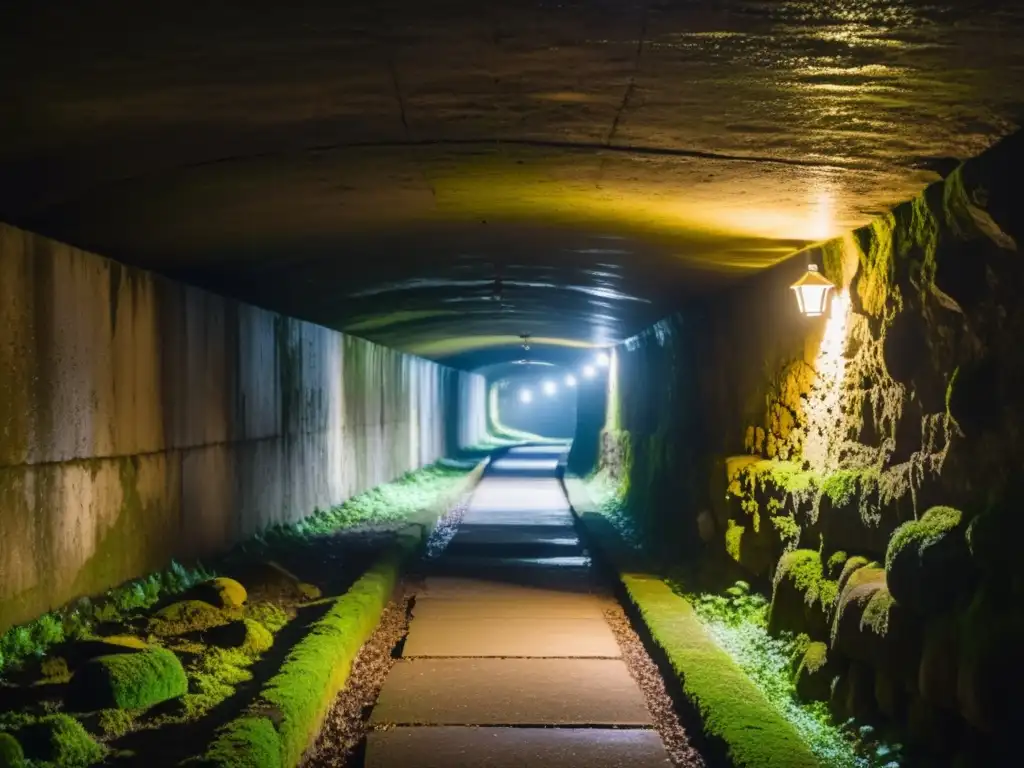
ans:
(143, 420)
(865, 468)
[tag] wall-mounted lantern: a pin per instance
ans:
(812, 291)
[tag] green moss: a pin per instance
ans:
(248, 742)
(257, 638)
(59, 741)
(835, 563)
(925, 560)
(130, 680)
(11, 754)
(302, 691)
(214, 676)
(115, 723)
(269, 615)
(851, 566)
(186, 616)
(802, 567)
(734, 540)
(220, 592)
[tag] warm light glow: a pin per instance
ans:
(525, 396)
(603, 360)
(812, 291)
(825, 400)
(570, 380)
(550, 388)
(589, 371)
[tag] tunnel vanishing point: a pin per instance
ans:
(262, 263)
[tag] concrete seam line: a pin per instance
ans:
(283, 721)
(734, 714)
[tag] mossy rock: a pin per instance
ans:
(11, 753)
(55, 669)
(937, 675)
(927, 564)
(129, 681)
(839, 695)
(890, 696)
(932, 729)
(802, 598)
(187, 616)
(59, 740)
(267, 580)
(851, 566)
(860, 692)
(848, 636)
(990, 675)
(993, 543)
(746, 547)
(81, 651)
(220, 592)
(814, 676)
(247, 635)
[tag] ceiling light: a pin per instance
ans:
(570, 380)
(589, 371)
(603, 359)
(525, 396)
(550, 388)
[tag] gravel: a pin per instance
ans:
(647, 676)
(348, 721)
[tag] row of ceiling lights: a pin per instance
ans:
(550, 387)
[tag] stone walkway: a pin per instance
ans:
(509, 660)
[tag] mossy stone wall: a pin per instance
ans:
(142, 419)
(824, 443)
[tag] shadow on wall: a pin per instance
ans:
(866, 466)
(143, 420)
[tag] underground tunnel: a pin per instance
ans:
(571, 383)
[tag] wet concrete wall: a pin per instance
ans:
(143, 420)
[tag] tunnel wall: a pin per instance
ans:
(867, 468)
(143, 420)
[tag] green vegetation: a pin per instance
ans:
(388, 503)
(48, 741)
(738, 675)
(926, 559)
(78, 620)
(300, 694)
(131, 680)
(11, 754)
(214, 676)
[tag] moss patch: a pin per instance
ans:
(186, 616)
(221, 592)
(129, 680)
(927, 563)
(11, 753)
(300, 694)
(54, 740)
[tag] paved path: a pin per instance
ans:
(509, 660)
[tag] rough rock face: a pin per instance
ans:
(887, 433)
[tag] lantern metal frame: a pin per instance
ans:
(812, 291)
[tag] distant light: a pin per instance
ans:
(589, 371)
(525, 396)
(603, 359)
(570, 380)
(550, 388)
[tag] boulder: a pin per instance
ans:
(128, 680)
(990, 673)
(11, 753)
(932, 729)
(58, 740)
(268, 580)
(890, 696)
(246, 634)
(937, 675)
(221, 592)
(927, 562)
(860, 692)
(186, 616)
(802, 598)
(814, 675)
(848, 637)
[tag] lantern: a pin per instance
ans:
(812, 291)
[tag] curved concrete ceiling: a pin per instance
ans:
(443, 177)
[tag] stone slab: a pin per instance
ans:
(574, 606)
(539, 692)
(473, 534)
(533, 637)
(454, 588)
(454, 747)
